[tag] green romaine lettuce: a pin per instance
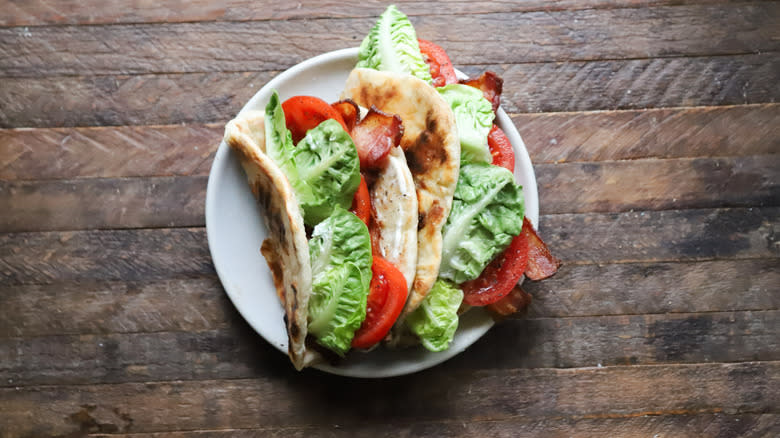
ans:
(487, 212)
(436, 320)
(391, 45)
(340, 250)
(323, 169)
(473, 119)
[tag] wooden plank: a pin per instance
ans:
(127, 255)
(123, 151)
(100, 152)
(586, 290)
(563, 188)
(103, 203)
(651, 184)
(591, 238)
(681, 426)
(126, 100)
(178, 304)
(638, 84)
(659, 236)
(542, 87)
(235, 352)
(42, 12)
(200, 304)
(583, 35)
(619, 392)
(653, 133)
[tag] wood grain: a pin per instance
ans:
(42, 12)
(674, 235)
(610, 392)
(123, 151)
(591, 238)
(172, 304)
(127, 255)
(674, 287)
(682, 426)
(563, 188)
(100, 152)
(200, 304)
(592, 34)
(652, 184)
(542, 87)
(103, 203)
(653, 133)
(236, 352)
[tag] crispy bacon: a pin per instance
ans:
(349, 112)
(375, 135)
(516, 301)
(541, 264)
(491, 85)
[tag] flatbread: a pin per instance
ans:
(286, 249)
(432, 150)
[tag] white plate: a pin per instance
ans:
(236, 230)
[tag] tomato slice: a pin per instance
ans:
(361, 202)
(439, 63)
(302, 113)
(501, 149)
(386, 299)
(500, 276)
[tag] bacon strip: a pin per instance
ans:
(375, 135)
(516, 301)
(491, 85)
(349, 112)
(541, 264)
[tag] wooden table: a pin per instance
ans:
(654, 131)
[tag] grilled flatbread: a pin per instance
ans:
(286, 249)
(432, 150)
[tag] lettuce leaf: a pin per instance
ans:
(436, 320)
(391, 45)
(323, 168)
(487, 212)
(340, 250)
(473, 119)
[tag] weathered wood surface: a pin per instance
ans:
(564, 188)
(42, 12)
(694, 30)
(653, 126)
(178, 303)
(682, 426)
(123, 151)
(490, 395)
(537, 87)
(529, 343)
(588, 238)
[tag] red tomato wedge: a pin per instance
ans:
(500, 276)
(361, 202)
(386, 299)
(349, 111)
(501, 149)
(302, 113)
(541, 264)
(439, 63)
